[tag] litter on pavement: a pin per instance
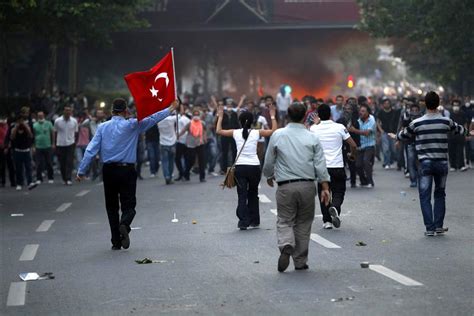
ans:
(361, 244)
(364, 264)
(174, 220)
(148, 260)
(34, 276)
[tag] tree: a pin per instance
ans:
(69, 23)
(433, 37)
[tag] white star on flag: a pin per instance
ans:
(154, 92)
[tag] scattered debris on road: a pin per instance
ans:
(364, 264)
(34, 276)
(174, 220)
(148, 260)
(194, 222)
(340, 299)
(361, 244)
(256, 261)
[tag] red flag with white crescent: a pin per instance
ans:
(153, 90)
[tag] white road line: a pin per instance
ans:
(82, 193)
(45, 225)
(63, 207)
(274, 211)
(16, 215)
(29, 252)
(16, 294)
(400, 278)
(323, 242)
(264, 199)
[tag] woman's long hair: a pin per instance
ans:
(246, 120)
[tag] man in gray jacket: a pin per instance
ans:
(295, 159)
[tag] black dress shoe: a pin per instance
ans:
(125, 238)
(178, 178)
(243, 228)
(116, 247)
(305, 267)
(284, 260)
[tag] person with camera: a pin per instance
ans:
(247, 164)
(21, 138)
(332, 137)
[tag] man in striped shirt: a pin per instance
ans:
(430, 133)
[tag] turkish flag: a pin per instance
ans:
(153, 90)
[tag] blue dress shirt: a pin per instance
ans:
(117, 139)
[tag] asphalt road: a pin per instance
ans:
(212, 268)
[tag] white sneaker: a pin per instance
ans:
(152, 175)
(327, 225)
(463, 168)
(38, 182)
(387, 167)
(69, 182)
(18, 187)
(452, 169)
(50, 181)
(215, 174)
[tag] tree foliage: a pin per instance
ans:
(434, 37)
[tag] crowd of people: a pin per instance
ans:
(54, 131)
(292, 142)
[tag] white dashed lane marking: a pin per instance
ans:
(323, 242)
(45, 225)
(400, 278)
(82, 193)
(63, 207)
(264, 199)
(16, 294)
(17, 215)
(29, 252)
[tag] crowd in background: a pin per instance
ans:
(48, 137)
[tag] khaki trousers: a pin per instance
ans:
(295, 213)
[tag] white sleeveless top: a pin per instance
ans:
(249, 154)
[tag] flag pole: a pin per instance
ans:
(176, 95)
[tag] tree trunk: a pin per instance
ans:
(73, 52)
(50, 79)
(3, 65)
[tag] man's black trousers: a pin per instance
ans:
(338, 190)
(120, 186)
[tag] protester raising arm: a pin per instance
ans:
(230, 132)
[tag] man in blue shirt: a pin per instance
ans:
(116, 141)
(365, 157)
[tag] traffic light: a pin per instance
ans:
(350, 82)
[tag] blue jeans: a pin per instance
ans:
(388, 149)
(153, 150)
(411, 162)
(167, 160)
(211, 151)
(438, 171)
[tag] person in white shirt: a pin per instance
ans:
(332, 135)
(181, 149)
(66, 131)
(247, 165)
(283, 101)
(168, 138)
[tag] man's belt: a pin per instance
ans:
(295, 180)
(119, 164)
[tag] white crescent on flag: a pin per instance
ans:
(154, 92)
